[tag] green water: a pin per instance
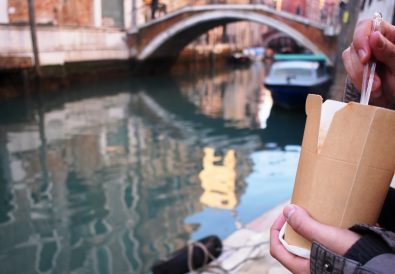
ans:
(110, 177)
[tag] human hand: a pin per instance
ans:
(335, 239)
(292, 262)
(378, 45)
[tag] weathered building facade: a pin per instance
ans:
(67, 31)
(91, 30)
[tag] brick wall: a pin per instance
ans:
(77, 12)
(294, 6)
(55, 12)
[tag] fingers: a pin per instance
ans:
(294, 263)
(355, 69)
(278, 224)
(353, 66)
(383, 50)
(336, 239)
(366, 45)
(361, 40)
(388, 31)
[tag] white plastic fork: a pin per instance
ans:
(367, 80)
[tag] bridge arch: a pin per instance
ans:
(273, 36)
(180, 34)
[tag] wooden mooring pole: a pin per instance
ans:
(33, 32)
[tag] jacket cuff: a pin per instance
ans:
(322, 260)
(386, 235)
(368, 246)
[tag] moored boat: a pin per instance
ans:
(293, 76)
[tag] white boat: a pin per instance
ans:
(293, 77)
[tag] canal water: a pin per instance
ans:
(110, 177)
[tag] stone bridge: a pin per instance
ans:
(167, 36)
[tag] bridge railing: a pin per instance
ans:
(327, 14)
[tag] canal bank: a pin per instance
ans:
(18, 81)
(247, 251)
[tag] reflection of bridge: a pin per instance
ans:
(167, 36)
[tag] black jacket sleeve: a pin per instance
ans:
(323, 260)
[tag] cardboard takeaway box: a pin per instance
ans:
(346, 164)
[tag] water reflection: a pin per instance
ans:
(218, 179)
(108, 178)
(235, 97)
(264, 108)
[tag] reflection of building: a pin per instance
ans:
(236, 99)
(219, 180)
(95, 186)
(45, 225)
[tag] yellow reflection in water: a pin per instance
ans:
(219, 179)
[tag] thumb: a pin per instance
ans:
(383, 49)
(336, 239)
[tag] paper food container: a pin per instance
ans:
(346, 165)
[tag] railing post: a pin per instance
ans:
(97, 13)
(134, 15)
(33, 32)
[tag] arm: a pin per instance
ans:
(372, 253)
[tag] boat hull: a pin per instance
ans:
(292, 96)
